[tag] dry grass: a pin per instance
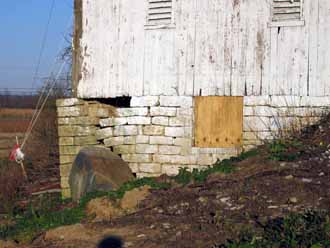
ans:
(16, 113)
(11, 180)
(41, 151)
(13, 126)
(13, 120)
(41, 148)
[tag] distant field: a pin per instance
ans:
(14, 120)
(16, 113)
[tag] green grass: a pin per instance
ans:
(42, 218)
(304, 230)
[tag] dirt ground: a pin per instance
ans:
(206, 214)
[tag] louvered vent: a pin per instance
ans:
(286, 10)
(159, 12)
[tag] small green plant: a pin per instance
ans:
(305, 230)
(248, 154)
(284, 150)
(225, 166)
(185, 176)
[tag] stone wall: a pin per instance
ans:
(266, 117)
(155, 134)
(78, 121)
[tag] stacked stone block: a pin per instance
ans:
(267, 116)
(78, 121)
(155, 134)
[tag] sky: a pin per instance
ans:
(23, 26)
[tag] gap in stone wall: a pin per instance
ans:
(119, 102)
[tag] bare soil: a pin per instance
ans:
(205, 214)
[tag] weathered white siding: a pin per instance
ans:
(213, 47)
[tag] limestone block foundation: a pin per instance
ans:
(155, 134)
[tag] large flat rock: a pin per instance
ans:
(97, 169)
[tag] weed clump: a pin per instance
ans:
(11, 180)
(285, 150)
(225, 166)
(300, 230)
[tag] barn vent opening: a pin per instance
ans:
(159, 12)
(218, 121)
(286, 10)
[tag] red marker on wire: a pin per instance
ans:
(17, 155)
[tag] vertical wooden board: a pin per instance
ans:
(283, 86)
(220, 51)
(227, 48)
(132, 26)
(303, 63)
(185, 21)
(323, 49)
(300, 64)
(304, 67)
(293, 49)
(206, 48)
(257, 52)
(266, 67)
(218, 121)
(99, 68)
(116, 79)
(237, 22)
(312, 20)
(289, 63)
(114, 36)
(274, 63)
(159, 63)
(125, 53)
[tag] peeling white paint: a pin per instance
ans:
(212, 48)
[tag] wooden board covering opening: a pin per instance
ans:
(218, 121)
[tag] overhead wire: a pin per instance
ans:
(43, 43)
(40, 104)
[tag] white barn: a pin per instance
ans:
(205, 78)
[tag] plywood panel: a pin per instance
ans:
(218, 121)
